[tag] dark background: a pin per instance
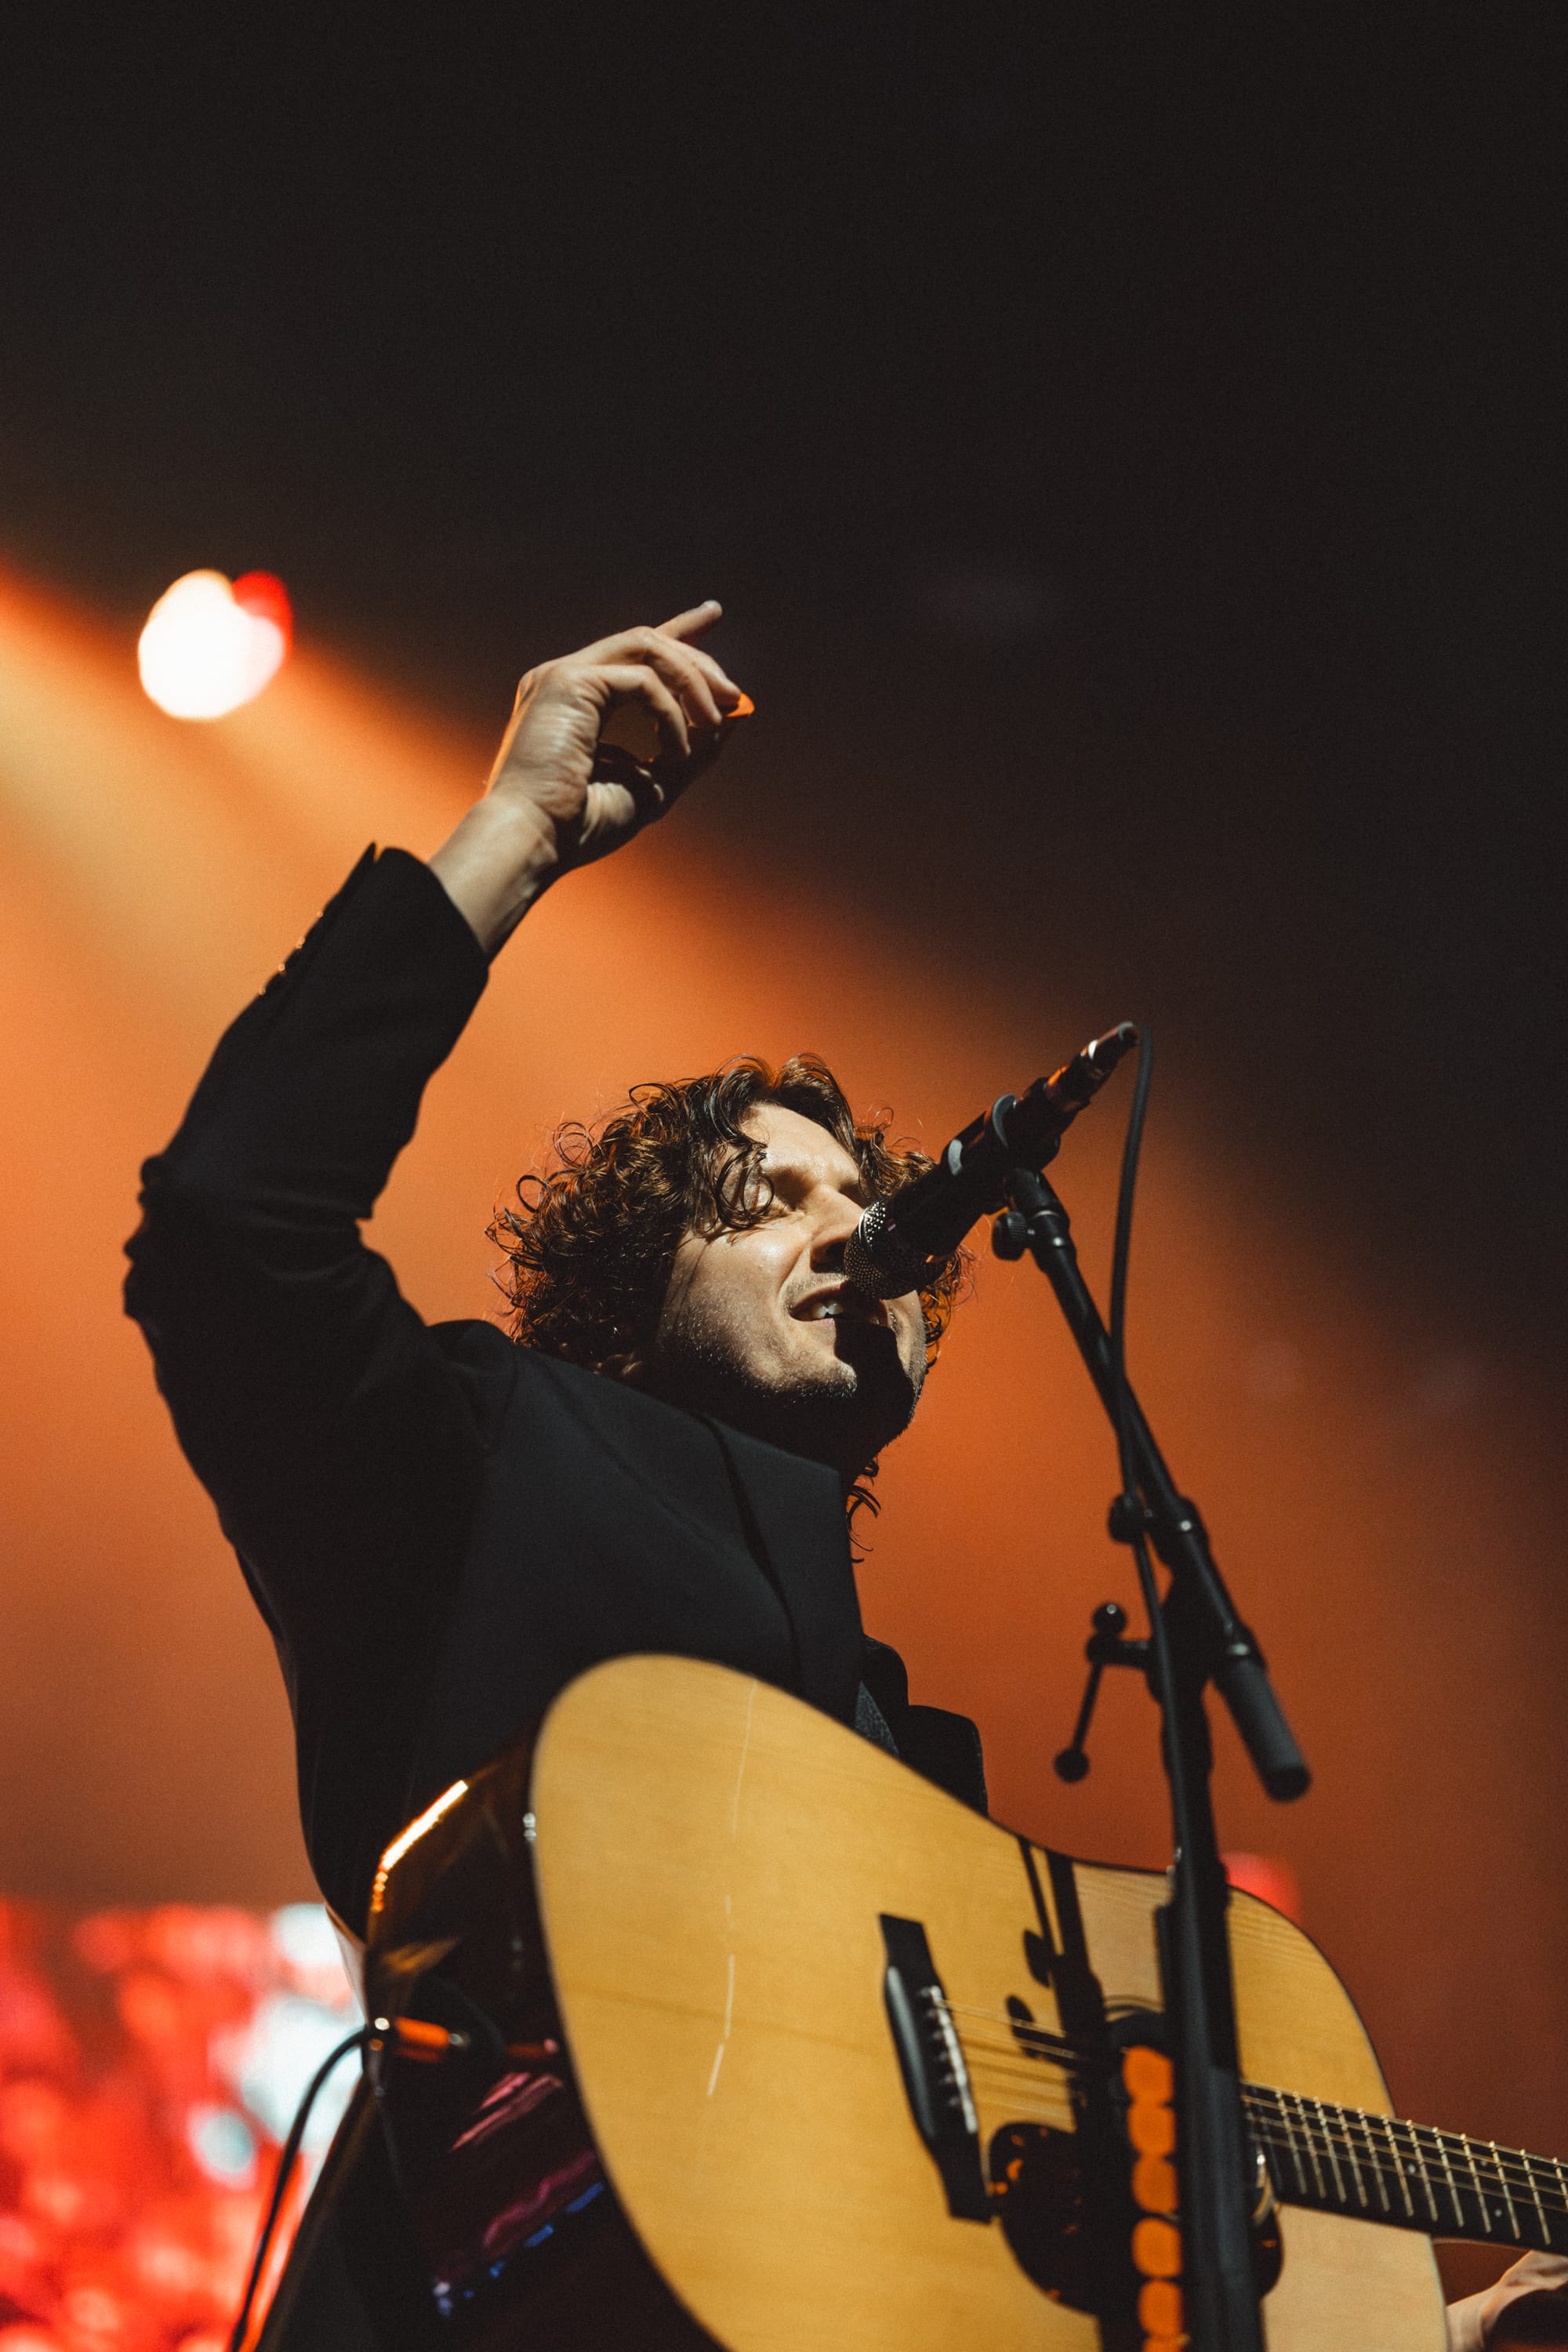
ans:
(1127, 442)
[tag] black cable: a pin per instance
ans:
(1131, 1146)
(287, 2160)
(1133, 1507)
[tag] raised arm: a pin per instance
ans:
(340, 1441)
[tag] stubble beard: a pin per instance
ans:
(835, 1412)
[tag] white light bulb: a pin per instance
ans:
(203, 652)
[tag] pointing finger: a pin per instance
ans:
(692, 622)
(696, 677)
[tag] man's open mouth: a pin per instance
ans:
(841, 1303)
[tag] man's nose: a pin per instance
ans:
(837, 1221)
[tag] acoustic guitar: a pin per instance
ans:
(699, 2021)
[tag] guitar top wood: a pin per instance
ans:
(716, 1865)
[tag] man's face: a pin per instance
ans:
(761, 1330)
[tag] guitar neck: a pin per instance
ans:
(1342, 2160)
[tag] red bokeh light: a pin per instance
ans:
(119, 2232)
(264, 595)
(1268, 1877)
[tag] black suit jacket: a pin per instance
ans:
(442, 1528)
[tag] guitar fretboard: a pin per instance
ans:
(1343, 2161)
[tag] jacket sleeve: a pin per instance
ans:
(340, 1440)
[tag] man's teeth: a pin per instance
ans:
(826, 1310)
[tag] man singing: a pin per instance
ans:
(444, 1526)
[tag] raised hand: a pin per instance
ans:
(559, 794)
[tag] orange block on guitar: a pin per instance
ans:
(1151, 2085)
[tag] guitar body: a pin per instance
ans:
(721, 1876)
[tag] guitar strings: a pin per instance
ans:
(1024, 2039)
(1474, 2168)
(1316, 2128)
(1539, 2179)
(1309, 2146)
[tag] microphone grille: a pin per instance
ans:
(879, 1262)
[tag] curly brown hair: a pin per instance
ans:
(590, 1245)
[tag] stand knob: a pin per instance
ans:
(1010, 1234)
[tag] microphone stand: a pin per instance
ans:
(1206, 1641)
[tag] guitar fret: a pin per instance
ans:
(1311, 2147)
(1486, 2219)
(1398, 2169)
(1328, 2143)
(1257, 2109)
(1347, 2117)
(1377, 2171)
(1535, 2193)
(1291, 2142)
(1441, 2139)
(1420, 2163)
(1502, 2184)
(1563, 2186)
(1285, 2125)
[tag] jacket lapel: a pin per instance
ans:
(794, 1511)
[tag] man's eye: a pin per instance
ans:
(755, 1203)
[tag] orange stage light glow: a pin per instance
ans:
(211, 644)
(1386, 1486)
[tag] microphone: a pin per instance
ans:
(899, 1242)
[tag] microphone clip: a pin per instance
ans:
(1107, 1646)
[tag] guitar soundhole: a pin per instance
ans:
(1063, 2198)
(1036, 2192)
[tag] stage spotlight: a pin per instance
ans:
(211, 644)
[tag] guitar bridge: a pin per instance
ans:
(930, 2058)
